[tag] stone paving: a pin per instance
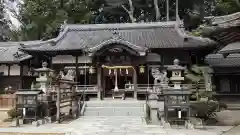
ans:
(112, 125)
(125, 124)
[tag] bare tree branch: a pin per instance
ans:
(157, 10)
(130, 11)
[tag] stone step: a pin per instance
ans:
(113, 113)
(113, 107)
(113, 103)
(110, 111)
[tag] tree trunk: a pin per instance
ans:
(157, 11)
(130, 11)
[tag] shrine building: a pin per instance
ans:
(105, 57)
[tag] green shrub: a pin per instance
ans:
(13, 113)
(204, 109)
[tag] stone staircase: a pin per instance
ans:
(114, 108)
(109, 117)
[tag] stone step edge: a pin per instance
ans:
(114, 107)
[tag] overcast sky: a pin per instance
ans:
(12, 5)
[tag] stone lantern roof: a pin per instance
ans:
(44, 68)
(175, 66)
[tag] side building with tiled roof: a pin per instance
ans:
(225, 60)
(111, 48)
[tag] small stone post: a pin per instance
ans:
(58, 104)
(135, 82)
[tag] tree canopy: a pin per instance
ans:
(4, 24)
(42, 19)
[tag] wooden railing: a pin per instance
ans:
(142, 87)
(158, 88)
(86, 88)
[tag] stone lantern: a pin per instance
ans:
(177, 77)
(176, 98)
(44, 77)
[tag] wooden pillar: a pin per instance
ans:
(99, 82)
(21, 76)
(58, 103)
(167, 9)
(76, 68)
(177, 10)
(135, 82)
(9, 68)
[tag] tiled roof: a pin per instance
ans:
(138, 35)
(224, 29)
(218, 60)
(225, 21)
(10, 53)
(231, 48)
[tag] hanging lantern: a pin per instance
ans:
(91, 70)
(142, 69)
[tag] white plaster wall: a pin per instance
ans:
(4, 68)
(15, 70)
